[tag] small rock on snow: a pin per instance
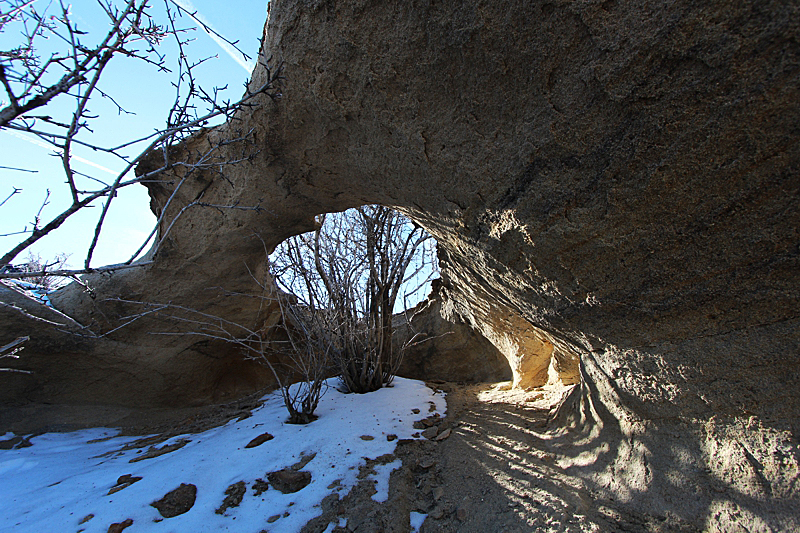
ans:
(118, 527)
(258, 441)
(288, 480)
(177, 501)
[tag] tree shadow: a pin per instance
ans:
(590, 465)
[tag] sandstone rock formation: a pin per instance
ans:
(609, 182)
(445, 349)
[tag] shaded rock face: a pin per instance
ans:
(73, 361)
(446, 349)
(609, 182)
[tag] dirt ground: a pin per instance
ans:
(35, 419)
(492, 470)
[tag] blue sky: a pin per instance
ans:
(138, 88)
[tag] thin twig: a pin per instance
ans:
(13, 192)
(19, 170)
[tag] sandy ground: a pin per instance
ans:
(494, 471)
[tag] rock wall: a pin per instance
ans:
(439, 345)
(612, 182)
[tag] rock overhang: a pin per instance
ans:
(616, 185)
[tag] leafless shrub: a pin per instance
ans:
(309, 348)
(43, 280)
(348, 276)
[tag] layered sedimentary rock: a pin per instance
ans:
(609, 182)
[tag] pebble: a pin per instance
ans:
(443, 435)
(118, 527)
(427, 462)
(258, 441)
(430, 432)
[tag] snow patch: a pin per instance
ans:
(31, 290)
(63, 478)
(382, 473)
(416, 520)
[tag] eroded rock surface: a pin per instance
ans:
(446, 349)
(610, 182)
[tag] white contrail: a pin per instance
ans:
(226, 47)
(39, 142)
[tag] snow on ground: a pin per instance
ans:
(65, 477)
(416, 520)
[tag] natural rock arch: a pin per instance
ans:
(611, 183)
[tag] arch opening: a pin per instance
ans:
(329, 268)
(354, 282)
(336, 260)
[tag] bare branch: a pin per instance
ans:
(102, 54)
(12, 350)
(13, 192)
(13, 347)
(18, 169)
(28, 315)
(54, 223)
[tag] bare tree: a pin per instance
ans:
(348, 274)
(55, 61)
